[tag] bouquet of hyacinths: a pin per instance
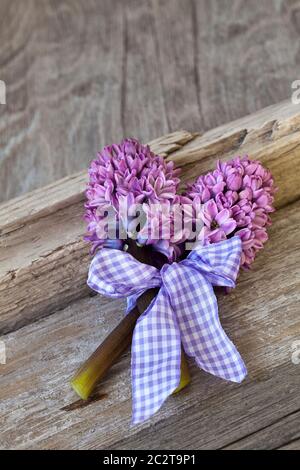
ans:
(172, 308)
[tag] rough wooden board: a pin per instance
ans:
(271, 135)
(214, 422)
(275, 435)
(31, 251)
(70, 190)
(83, 73)
(52, 271)
(262, 318)
(295, 445)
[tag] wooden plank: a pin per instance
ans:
(32, 246)
(262, 318)
(70, 190)
(80, 74)
(234, 43)
(55, 121)
(295, 445)
(273, 436)
(271, 135)
(228, 414)
(176, 50)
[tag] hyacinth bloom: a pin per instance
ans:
(130, 175)
(236, 199)
(217, 224)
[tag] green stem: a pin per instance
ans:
(94, 369)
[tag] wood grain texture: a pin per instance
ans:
(84, 73)
(261, 316)
(274, 436)
(41, 244)
(70, 190)
(294, 445)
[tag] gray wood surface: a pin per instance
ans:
(44, 266)
(38, 409)
(277, 434)
(293, 445)
(80, 74)
(84, 73)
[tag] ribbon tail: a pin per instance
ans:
(202, 335)
(215, 353)
(155, 360)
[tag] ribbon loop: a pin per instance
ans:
(117, 274)
(219, 262)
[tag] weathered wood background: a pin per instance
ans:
(84, 73)
(80, 74)
(51, 323)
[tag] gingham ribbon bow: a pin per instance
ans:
(185, 311)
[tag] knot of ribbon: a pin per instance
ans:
(184, 312)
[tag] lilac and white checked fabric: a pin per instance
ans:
(185, 311)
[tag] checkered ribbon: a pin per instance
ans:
(185, 311)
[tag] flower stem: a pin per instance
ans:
(185, 377)
(94, 369)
